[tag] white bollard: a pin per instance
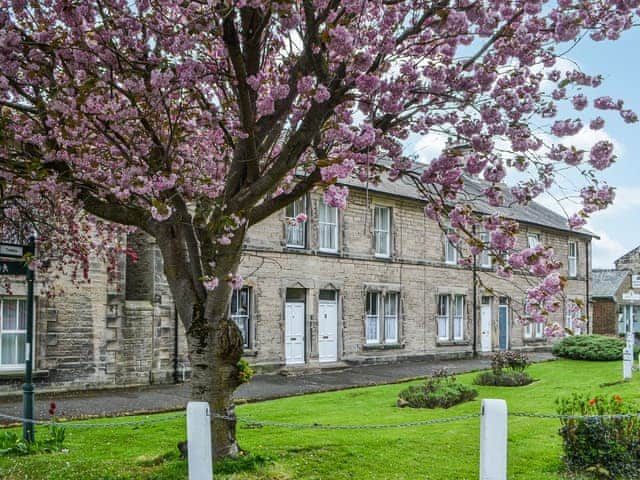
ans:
(627, 363)
(493, 440)
(199, 441)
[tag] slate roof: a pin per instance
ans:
(533, 213)
(606, 283)
(627, 256)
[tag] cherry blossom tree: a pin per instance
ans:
(194, 120)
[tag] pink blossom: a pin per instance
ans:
(576, 222)
(161, 212)
(301, 218)
(601, 155)
(210, 283)
(336, 196)
(322, 94)
(236, 281)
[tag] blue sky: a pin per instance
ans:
(618, 62)
(618, 226)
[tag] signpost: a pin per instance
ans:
(13, 262)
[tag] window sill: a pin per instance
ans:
(329, 252)
(383, 346)
(452, 343)
(534, 340)
(249, 352)
(18, 373)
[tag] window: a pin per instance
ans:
(635, 281)
(13, 331)
(241, 312)
(450, 251)
(328, 222)
(296, 232)
(485, 256)
(450, 318)
(391, 318)
(382, 231)
(533, 239)
(533, 330)
(382, 317)
(573, 259)
(573, 318)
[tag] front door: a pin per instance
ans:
(328, 327)
(485, 325)
(294, 333)
(503, 323)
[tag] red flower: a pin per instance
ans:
(52, 408)
(617, 398)
(592, 402)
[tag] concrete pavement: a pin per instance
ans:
(161, 398)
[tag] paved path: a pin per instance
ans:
(262, 387)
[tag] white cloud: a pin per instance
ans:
(606, 250)
(430, 146)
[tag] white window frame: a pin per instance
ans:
(382, 233)
(539, 330)
(533, 240)
(485, 256)
(243, 320)
(528, 330)
(21, 302)
(533, 330)
(572, 259)
(442, 317)
(450, 250)
(372, 299)
(458, 317)
(450, 317)
(635, 281)
(296, 232)
(328, 220)
(570, 317)
(382, 319)
(391, 319)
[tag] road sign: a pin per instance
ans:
(13, 250)
(8, 267)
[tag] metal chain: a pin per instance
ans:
(131, 423)
(316, 426)
(616, 416)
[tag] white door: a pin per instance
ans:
(328, 332)
(485, 328)
(294, 333)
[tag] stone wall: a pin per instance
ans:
(121, 332)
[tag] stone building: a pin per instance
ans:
(616, 296)
(377, 282)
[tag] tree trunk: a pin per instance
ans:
(215, 347)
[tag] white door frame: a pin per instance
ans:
(486, 326)
(289, 336)
(321, 335)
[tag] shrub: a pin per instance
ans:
(505, 379)
(439, 390)
(514, 361)
(507, 370)
(245, 372)
(600, 447)
(590, 347)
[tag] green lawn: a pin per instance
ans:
(444, 451)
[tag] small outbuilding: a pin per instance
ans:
(616, 296)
